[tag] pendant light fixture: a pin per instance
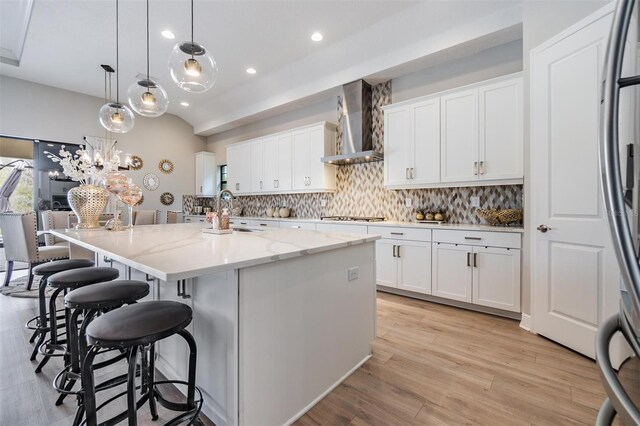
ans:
(114, 116)
(192, 68)
(146, 96)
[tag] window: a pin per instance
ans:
(223, 177)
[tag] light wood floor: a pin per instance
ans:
(432, 364)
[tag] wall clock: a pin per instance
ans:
(165, 166)
(151, 181)
(166, 198)
(136, 162)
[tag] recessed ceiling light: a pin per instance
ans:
(317, 36)
(168, 34)
(251, 71)
(185, 104)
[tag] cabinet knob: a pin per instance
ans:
(543, 228)
(475, 168)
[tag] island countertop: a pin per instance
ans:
(180, 251)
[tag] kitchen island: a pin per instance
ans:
(280, 316)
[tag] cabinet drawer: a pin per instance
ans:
(266, 223)
(478, 238)
(401, 233)
(241, 222)
(298, 225)
(335, 227)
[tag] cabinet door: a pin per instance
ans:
(496, 278)
(452, 271)
(234, 167)
(172, 351)
(397, 145)
(501, 131)
(205, 174)
(315, 176)
(414, 266)
(243, 179)
(300, 150)
(425, 126)
(199, 173)
(257, 166)
(270, 163)
(134, 274)
(284, 162)
(459, 142)
(386, 263)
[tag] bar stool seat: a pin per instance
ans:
(139, 324)
(40, 323)
(82, 276)
(106, 295)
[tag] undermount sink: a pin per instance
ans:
(246, 230)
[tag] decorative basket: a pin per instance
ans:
(497, 216)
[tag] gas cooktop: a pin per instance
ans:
(352, 219)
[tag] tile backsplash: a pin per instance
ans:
(361, 192)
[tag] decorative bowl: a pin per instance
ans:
(498, 216)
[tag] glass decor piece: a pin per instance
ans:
(131, 196)
(147, 97)
(192, 68)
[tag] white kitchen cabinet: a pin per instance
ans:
(397, 145)
(341, 227)
(496, 278)
(459, 140)
(257, 165)
(206, 174)
(404, 264)
(452, 271)
(309, 226)
(309, 145)
(501, 130)
(134, 274)
(277, 162)
(239, 168)
(173, 351)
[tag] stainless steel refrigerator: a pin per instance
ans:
(620, 164)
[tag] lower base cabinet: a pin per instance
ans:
(487, 276)
(404, 264)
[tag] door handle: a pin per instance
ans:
(148, 278)
(180, 293)
(413, 176)
(543, 228)
(398, 251)
(482, 167)
(475, 260)
(468, 259)
(237, 186)
(406, 173)
(394, 250)
(260, 184)
(475, 168)
(184, 290)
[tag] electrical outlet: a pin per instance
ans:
(323, 203)
(408, 202)
(475, 201)
(352, 273)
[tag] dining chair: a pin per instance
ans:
(54, 220)
(20, 239)
(146, 217)
(174, 216)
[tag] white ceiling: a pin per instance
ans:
(68, 40)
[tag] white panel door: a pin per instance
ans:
(386, 263)
(233, 167)
(239, 168)
(209, 174)
(501, 131)
(425, 125)
(257, 166)
(397, 145)
(300, 150)
(414, 266)
(315, 176)
(173, 351)
(496, 278)
(270, 163)
(459, 141)
(575, 275)
(283, 142)
(451, 271)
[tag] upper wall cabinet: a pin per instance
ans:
(205, 173)
(464, 137)
(284, 162)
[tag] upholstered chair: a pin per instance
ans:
(174, 216)
(20, 239)
(146, 217)
(54, 220)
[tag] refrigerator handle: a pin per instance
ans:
(623, 240)
(618, 397)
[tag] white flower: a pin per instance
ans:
(80, 168)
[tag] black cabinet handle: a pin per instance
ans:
(180, 293)
(398, 251)
(468, 259)
(397, 233)
(394, 250)
(473, 238)
(475, 260)
(148, 278)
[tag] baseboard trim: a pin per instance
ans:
(525, 322)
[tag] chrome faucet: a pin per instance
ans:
(220, 194)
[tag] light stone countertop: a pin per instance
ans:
(400, 224)
(180, 251)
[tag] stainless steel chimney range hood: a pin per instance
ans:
(356, 126)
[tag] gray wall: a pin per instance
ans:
(541, 21)
(42, 112)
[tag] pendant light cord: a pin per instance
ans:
(192, 45)
(148, 78)
(117, 54)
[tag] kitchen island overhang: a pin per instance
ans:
(281, 316)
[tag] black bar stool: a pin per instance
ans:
(89, 301)
(136, 328)
(40, 323)
(64, 282)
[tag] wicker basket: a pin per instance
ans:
(497, 216)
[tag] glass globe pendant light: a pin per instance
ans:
(114, 116)
(192, 68)
(146, 96)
